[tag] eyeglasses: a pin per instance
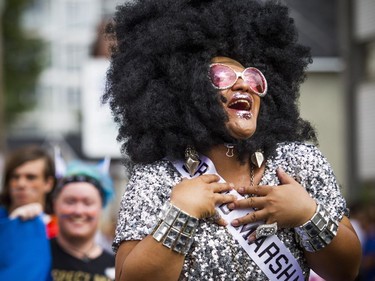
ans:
(224, 77)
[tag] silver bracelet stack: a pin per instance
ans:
(318, 232)
(175, 229)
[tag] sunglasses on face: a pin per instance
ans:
(224, 77)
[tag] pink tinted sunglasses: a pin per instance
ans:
(224, 77)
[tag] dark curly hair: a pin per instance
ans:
(158, 87)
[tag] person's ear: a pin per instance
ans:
(50, 182)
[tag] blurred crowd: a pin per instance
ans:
(363, 220)
(33, 181)
(52, 210)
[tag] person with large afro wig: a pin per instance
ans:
(226, 180)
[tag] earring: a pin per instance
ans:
(191, 160)
(229, 152)
(257, 158)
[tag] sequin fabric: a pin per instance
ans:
(215, 255)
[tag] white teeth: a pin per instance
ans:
(78, 219)
(242, 101)
(247, 107)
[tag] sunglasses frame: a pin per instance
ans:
(241, 75)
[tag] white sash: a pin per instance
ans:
(269, 253)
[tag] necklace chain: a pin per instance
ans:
(85, 254)
(252, 175)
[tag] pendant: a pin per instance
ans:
(257, 158)
(191, 160)
(230, 148)
(85, 259)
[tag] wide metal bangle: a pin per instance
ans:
(318, 232)
(175, 228)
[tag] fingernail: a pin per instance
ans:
(280, 169)
(230, 206)
(231, 185)
(235, 223)
(251, 238)
(241, 190)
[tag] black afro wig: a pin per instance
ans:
(158, 87)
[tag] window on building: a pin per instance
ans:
(73, 98)
(75, 55)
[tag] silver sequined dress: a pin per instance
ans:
(215, 255)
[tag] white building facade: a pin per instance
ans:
(68, 28)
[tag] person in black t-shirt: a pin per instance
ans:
(67, 266)
(78, 201)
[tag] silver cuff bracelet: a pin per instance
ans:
(318, 232)
(175, 228)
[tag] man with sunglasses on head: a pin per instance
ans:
(223, 185)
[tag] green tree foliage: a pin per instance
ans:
(23, 60)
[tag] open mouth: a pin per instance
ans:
(241, 102)
(240, 105)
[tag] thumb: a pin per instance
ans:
(284, 177)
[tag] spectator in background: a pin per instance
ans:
(78, 201)
(358, 218)
(25, 215)
(29, 178)
(368, 258)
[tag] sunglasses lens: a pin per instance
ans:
(256, 80)
(222, 76)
